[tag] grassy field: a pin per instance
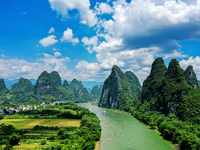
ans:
(33, 138)
(30, 123)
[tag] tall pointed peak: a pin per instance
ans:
(2, 83)
(116, 71)
(158, 65)
(75, 81)
(65, 83)
(116, 68)
(190, 77)
(174, 69)
(3, 89)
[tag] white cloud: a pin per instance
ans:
(103, 8)
(63, 6)
(175, 54)
(143, 73)
(91, 71)
(90, 41)
(14, 68)
(68, 37)
(48, 40)
(57, 54)
(147, 23)
(91, 68)
(111, 44)
(107, 60)
(51, 30)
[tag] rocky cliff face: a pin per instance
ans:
(190, 77)
(117, 91)
(3, 88)
(24, 86)
(47, 83)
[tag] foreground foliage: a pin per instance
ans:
(54, 137)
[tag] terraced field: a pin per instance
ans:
(30, 123)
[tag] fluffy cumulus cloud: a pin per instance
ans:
(68, 37)
(47, 41)
(132, 34)
(103, 8)
(141, 30)
(87, 70)
(146, 23)
(63, 6)
(89, 42)
(15, 68)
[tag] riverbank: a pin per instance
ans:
(98, 145)
(110, 110)
(122, 131)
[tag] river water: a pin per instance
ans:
(123, 132)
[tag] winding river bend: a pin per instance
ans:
(124, 132)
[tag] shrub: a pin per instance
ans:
(43, 142)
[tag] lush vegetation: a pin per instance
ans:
(171, 103)
(77, 88)
(169, 100)
(120, 90)
(185, 134)
(41, 133)
(48, 89)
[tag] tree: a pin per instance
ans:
(1, 116)
(14, 139)
(8, 147)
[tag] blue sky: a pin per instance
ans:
(83, 39)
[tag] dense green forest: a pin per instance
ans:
(48, 88)
(169, 100)
(83, 137)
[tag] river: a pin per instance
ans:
(123, 132)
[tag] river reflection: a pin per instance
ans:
(124, 132)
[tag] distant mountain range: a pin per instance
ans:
(48, 87)
(87, 84)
